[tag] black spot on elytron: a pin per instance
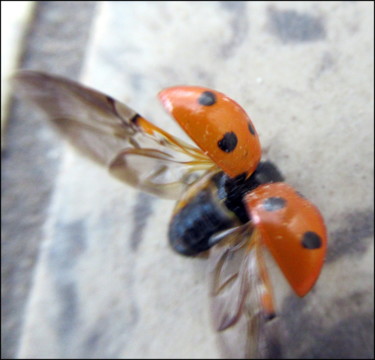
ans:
(251, 129)
(207, 98)
(274, 203)
(311, 240)
(228, 143)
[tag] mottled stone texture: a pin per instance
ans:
(106, 283)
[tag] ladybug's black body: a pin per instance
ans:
(213, 204)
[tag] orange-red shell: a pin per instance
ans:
(292, 229)
(217, 124)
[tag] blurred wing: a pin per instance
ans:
(113, 135)
(157, 172)
(241, 299)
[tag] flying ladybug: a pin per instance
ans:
(229, 202)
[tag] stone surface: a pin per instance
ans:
(14, 19)
(108, 285)
(31, 155)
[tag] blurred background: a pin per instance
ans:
(86, 268)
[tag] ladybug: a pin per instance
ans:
(230, 203)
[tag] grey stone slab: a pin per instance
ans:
(14, 20)
(31, 156)
(107, 284)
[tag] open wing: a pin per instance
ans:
(113, 135)
(241, 296)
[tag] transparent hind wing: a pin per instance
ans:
(156, 172)
(241, 297)
(113, 135)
